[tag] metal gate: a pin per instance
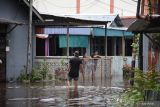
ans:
(2, 57)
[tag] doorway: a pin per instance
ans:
(2, 57)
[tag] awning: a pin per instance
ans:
(74, 41)
(72, 31)
(111, 32)
(142, 25)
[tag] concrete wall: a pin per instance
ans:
(16, 57)
(114, 65)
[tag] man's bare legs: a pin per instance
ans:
(68, 83)
(75, 84)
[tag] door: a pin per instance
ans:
(2, 57)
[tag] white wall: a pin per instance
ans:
(57, 7)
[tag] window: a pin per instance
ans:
(110, 46)
(51, 47)
(118, 44)
(128, 48)
(114, 46)
(40, 47)
(98, 44)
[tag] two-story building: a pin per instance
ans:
(147, 24)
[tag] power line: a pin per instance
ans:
(127, 2)
(89, 6)
(82, 5)
(104, 3)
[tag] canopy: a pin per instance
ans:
(74, 41)
(111, 32)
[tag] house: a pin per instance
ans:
(93, 37)
(84, 34)
(14, 18)
(85, 38)
(148, 27)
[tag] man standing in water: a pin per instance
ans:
(75, 64)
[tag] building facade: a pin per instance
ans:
(148, 27)
(14, 16)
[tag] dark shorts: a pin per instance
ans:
(70, 78)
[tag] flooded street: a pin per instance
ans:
(100, 93)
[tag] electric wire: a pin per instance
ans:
(86, 6)
(104, 3)
(54, 4)
(125, 1)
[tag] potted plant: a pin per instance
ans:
(61, 72)
(127, 69)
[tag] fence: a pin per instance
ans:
(93, 68)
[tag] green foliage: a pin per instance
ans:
(50, 76)
(24, 76)
(135, 44)
(38, 74)
(44, 69)
(142, 82)
(62, 62)
(147, 81)
(131, 97)
(150, 7)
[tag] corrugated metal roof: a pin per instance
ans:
(94, 17)
(64, 20)
(109, 18)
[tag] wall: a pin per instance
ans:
(59, 7)
(16, 57)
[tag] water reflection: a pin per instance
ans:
(2, 95)
(72, 94)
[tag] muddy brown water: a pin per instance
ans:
(97, 93)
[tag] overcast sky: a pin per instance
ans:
(61, 7)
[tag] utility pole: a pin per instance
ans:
(29, 47)
(68, 41)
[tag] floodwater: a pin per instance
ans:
(91, 93)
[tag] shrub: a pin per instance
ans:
(143, 82)
(37, 74)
